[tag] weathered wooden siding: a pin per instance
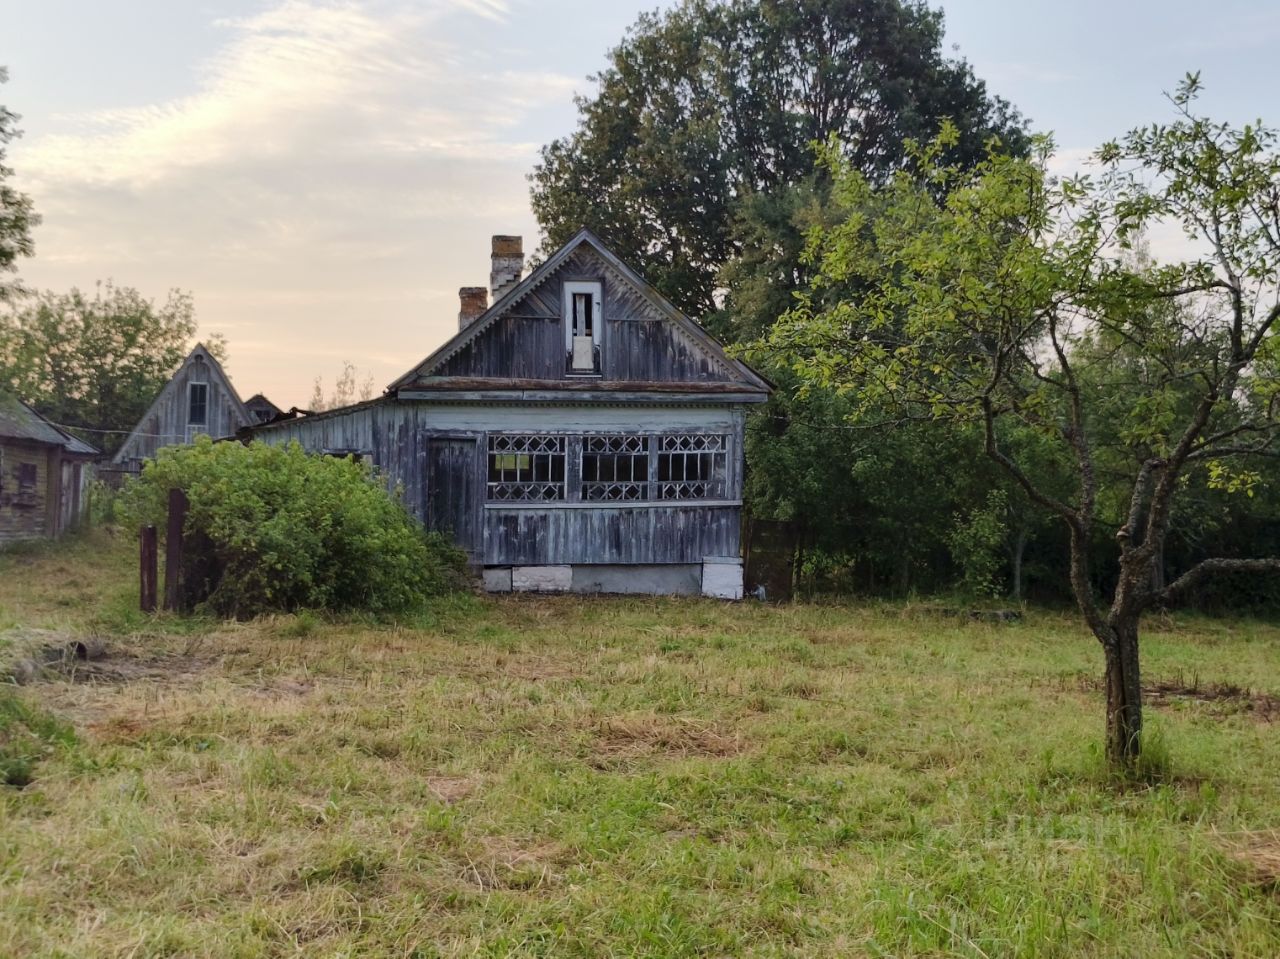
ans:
(640, 534)
(637, 341)
(23, 516)
(77, 477)
(165, 424)
(388, 433)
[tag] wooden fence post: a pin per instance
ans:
(147, 561)
(173, 550)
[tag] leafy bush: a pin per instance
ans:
(273, 528)
(976, 544)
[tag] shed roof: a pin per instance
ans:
(20, 422)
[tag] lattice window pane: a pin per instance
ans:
(526, 468)
(692, 466)
(615, 468)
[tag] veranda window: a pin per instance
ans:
(526, 468)
(692, 466)
(615, 468)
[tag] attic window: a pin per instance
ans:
(582, 325)
(582, 314)
(198, 404)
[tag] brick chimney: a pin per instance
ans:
(473, 300)
(508, 264)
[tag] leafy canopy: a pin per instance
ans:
(96, 362)
(17, 215)
(711, 104)
(1000, 294)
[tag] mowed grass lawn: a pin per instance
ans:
(625, 777)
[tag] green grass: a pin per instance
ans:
(628, 777)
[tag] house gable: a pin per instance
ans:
(644, 343)
(167, 421)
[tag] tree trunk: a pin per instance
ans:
(1019, 548)
(904, 573)
(1124, 695)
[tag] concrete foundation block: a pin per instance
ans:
(497, 580)
(675, 579)
(542, 579)
(722, 577)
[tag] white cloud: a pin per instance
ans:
(496, 10)
(1068, 161)
(330, 156)
(302, 76)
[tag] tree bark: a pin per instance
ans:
(1124, 694)
(1019, 549)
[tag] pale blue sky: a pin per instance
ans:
(325, 176)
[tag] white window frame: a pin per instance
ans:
(191, 387)
(570, 289)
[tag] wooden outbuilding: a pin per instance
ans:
(198, 398)
(579, 434)
(44, 475)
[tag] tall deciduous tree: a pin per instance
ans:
(17, 216)
(1001, 295)
(711, 104)
(96, 363)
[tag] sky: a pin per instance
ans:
(324, 176)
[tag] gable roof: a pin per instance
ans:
(19, 421)
(216, 372)
(749, 378)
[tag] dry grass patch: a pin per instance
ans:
(626, 738)
(1259, 853)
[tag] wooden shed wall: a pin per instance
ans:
(638, 343)
(26, 515)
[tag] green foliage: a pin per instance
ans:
(17, 215)
(1000, 298)
(291, 531)
(976, 544)
(96, 362)
(709, 109)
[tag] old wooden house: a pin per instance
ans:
(579, 434)
(44, 474)
(199, 398)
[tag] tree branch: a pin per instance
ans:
(1206, 568)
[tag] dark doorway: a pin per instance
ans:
(453, 496)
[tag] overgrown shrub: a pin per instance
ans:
(274, 528)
